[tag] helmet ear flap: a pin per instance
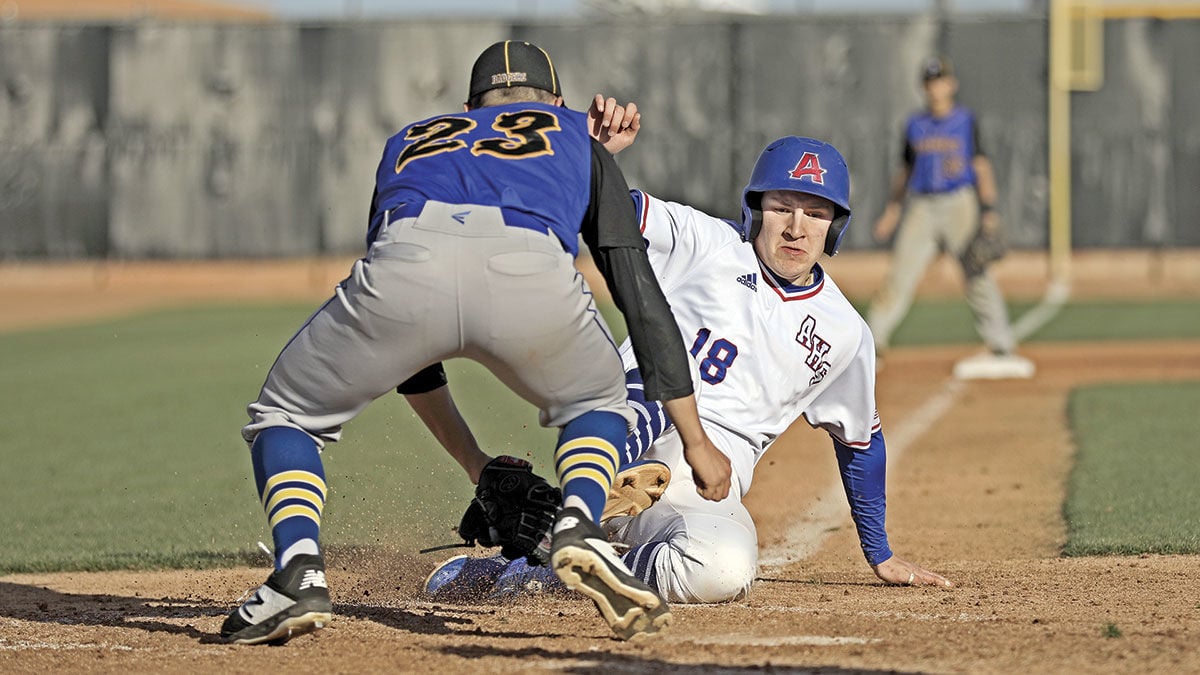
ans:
(754, 204)
(836, 229)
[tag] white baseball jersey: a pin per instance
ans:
(767, 352)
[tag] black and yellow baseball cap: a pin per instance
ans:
(513, 64)
(938, 66)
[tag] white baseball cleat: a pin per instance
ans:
(994, 367)
(636, 488)
(464, 578)
(583, 559)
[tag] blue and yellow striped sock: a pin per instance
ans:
(587, 457)
(291, 486)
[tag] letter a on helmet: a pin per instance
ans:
(809, 167)
(801, 165)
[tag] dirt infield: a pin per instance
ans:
(976, 480)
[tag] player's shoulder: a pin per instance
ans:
(649, 208)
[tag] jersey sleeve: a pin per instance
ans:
(611, 233)
(863, 472)
(977, 145)
(426, 380)
(846, 407)
(677, 237)
(908, 154)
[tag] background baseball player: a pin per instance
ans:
(951, 200)
(774, 339)
(474, 225)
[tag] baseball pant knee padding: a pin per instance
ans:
(713, 559)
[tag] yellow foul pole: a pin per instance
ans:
(1059, 131)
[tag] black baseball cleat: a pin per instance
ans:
(584, 560)
(294, 601)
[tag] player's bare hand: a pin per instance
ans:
(989, 222)
(615, 126)
(710, 470)
(897, 571)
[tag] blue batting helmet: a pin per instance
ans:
(801, 165)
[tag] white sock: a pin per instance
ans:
(578, 503)
(303, 546)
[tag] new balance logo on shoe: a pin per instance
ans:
(565, 523)
(294, 601)
(313, 578)
(749, 281)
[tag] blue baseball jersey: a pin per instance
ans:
(939, 151)
(532, 160)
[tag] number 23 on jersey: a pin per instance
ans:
(524, 134)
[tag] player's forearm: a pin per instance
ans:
(661, 356)
(985, 181)
(437, 411)
(611, 233)
(686, 418)
(863, 477)
(898, 187)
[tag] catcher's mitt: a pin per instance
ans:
(513, 508)
(987, 247)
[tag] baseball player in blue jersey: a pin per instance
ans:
(951, 196)
(473, 229)
(774, 340)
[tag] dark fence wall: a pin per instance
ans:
(195, 141)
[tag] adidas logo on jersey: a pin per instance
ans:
(313, 578)
(749, 281)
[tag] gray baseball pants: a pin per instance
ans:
(933, 223)
(454, 281)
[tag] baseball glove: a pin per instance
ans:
(513, 508)
(987, 247)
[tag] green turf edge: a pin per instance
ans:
(1132, 488)
(949, 321)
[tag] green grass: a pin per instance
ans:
(951, 322)
(1134, 320)
(120, 446)
(1133, 487)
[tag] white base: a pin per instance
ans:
(994, 367)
